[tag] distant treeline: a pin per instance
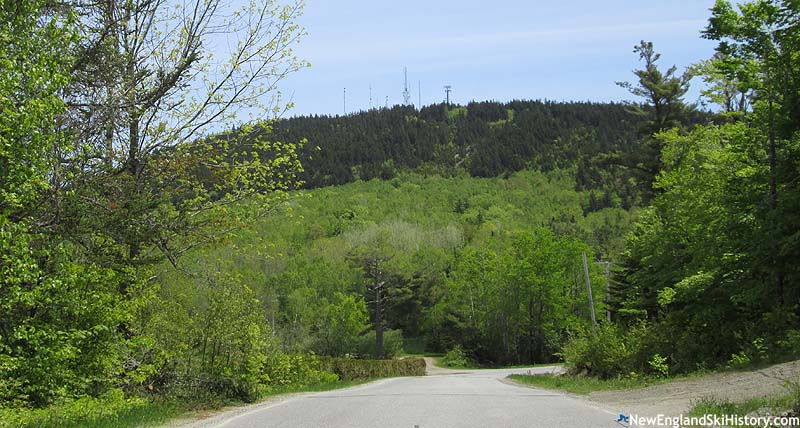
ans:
(486, 139)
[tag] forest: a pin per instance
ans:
(148, 257)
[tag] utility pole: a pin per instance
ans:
(607, 265)
(589, 287)
(447, 90)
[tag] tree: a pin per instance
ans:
(34, 68)
(662, 91)
(663, 109)
(339, 323)
(759, 44)
(726, 87)
(373, 261)
(146, 87)
(54, 342)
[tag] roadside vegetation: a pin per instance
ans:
(785, 404)
(585, 384)
(764, 406)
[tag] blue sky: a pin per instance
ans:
(501, 50)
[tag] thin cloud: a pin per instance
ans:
(473, 41)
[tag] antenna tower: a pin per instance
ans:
(406, 93)
(419, 94)
(370, 97)
(447, 90)
(345, 100)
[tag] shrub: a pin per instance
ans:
(392, 344)
(284, 370)
(658, 365)
(112, 409)
(603, 355)
(456, 358)
(204, 338)
(612, 352)
(352, 369)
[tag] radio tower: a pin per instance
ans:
(370, 97)
(344, 102)
(447, 90)
(419, 94)
(406, 93)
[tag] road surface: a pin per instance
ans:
(443, 399)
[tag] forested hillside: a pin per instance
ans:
(493, 265)
(485, 139)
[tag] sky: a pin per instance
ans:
(563, 50)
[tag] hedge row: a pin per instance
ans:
(352, 369)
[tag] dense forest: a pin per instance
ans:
(448, 252)
(143, 260)
(484, 139)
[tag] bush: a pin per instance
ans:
(284, 370)
(352, 369)
(202, 337)
(658, 365)
(603, 355)
(614, 353)
(392, 344)
(457, 358)
(110, 410)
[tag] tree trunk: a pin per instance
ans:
(378, 325)
(773, 205)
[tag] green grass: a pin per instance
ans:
(584, 385)
(437, 358)
(118, 412)
(93, 413)
(773, 406)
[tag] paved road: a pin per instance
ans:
(474, 398)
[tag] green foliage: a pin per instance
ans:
(58, 334)
(638, 351)
(662, 93)
(658, 365)
(209, 339)
(34, 66)
(283, 370)
(339, 324)
(392, 344)
(352, 369)
(697, 263)
(515, 305)
(605, 355)
(770, 405)
(485, 139)
(456, 358)
(109, 410)
(585, 384)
